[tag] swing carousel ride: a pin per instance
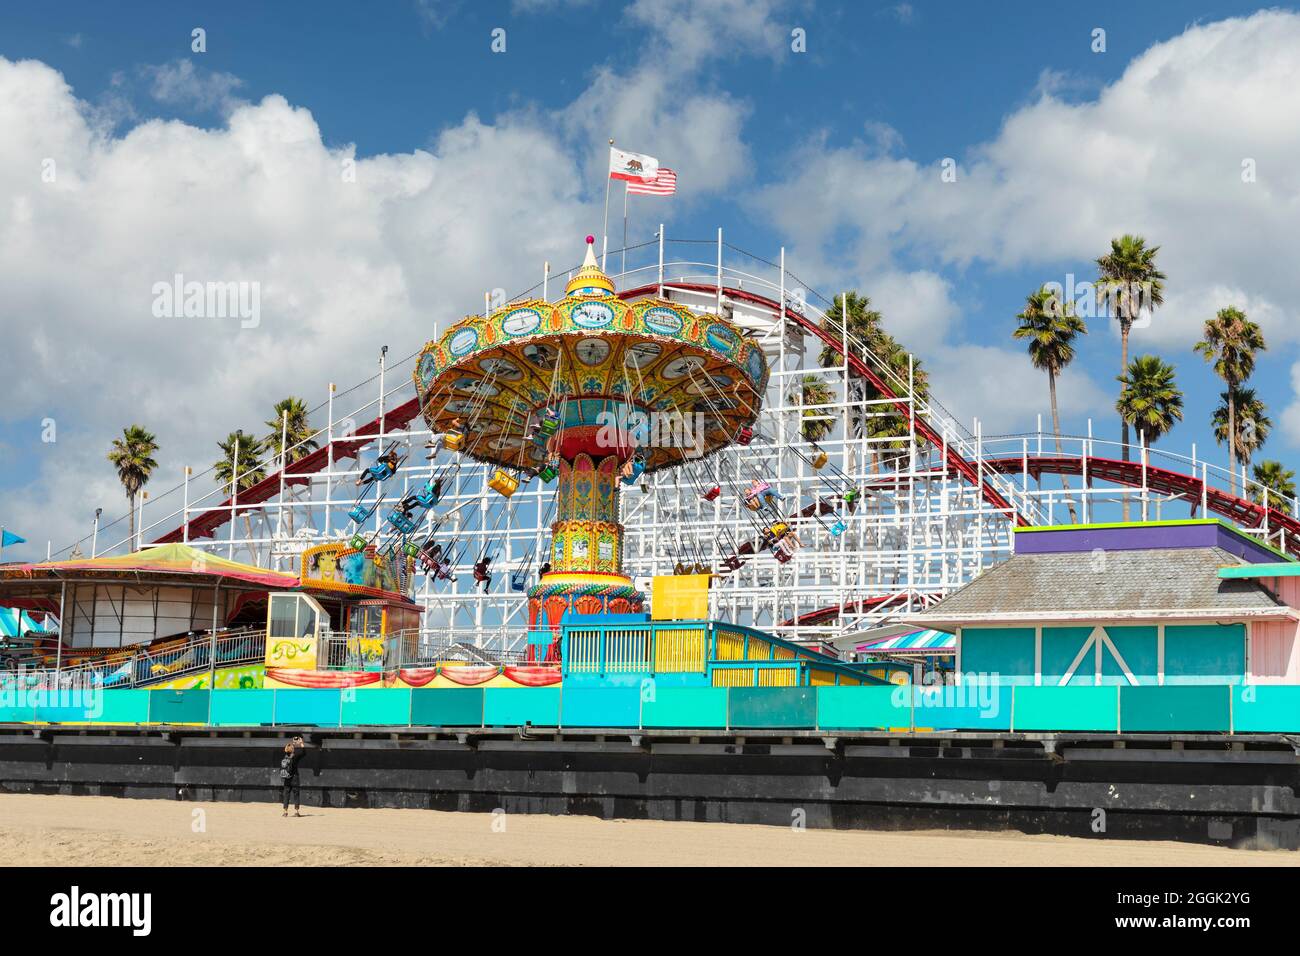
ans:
(590, 394)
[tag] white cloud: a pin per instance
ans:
(1158, 152)
(180, 83)
(1007, 392)
(343, 267)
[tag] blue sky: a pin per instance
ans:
(759, 135)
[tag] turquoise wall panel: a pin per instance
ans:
(1188, 709)
(243, 708)
(515, 706)
(1066, 708)
(1205, 654)
(1003, 655)
(16, 713)
(864, 708)
(382, 706)
(450, 707)
(601, 706)
(178, 706)
(704, 707)
(320, 707)
(1266, 708)
(772, 707)
(121, 707)
(1061, 646)
(67, 706)
(1139, 647)
(972, 705)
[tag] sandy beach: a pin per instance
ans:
(106, 831)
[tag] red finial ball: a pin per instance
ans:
(590, 240)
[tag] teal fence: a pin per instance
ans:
(980, 707)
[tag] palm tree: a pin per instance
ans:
(290, 424)
(850, 317)
(1149, 399)
(863, 323)
(1050, 326)
(298, 438)
(248, 468)
(1128, 273)
(885, 421)
(1248, 417)
(815, 424)
(1231, 341)
(1278, 484)
(132, 456)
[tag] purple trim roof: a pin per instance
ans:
(1143, 537)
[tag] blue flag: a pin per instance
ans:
(8, 537)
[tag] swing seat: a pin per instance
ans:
(411, 549)
(732, 563)
(712, 494)
(753, 504)
(503, 483)
(638, 468)
(838, 528)
(360, 513)
(851, 496)
(778, 530)
(357, 542)
(453, 440)
(782, 556)
(550, 423)
(820, 459)
(402, 521)
(426, 497)
(379, 472)
(548, 473)
(518, 581)
(745, 436)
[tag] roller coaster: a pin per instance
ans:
(930, 506)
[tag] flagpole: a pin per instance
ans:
(604, 248)
(624, 267)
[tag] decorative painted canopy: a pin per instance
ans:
(604, 365)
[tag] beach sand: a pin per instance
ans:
(108, 831)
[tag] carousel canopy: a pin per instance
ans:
(165, 559)
(650, 375)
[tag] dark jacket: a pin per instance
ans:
(289, 763)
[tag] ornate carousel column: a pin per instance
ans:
(586, 552)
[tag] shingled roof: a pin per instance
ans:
(1150, 583)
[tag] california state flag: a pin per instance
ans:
(632, 167)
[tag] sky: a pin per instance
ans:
(127, 156)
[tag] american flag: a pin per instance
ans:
(664, 185)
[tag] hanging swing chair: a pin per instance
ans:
(819, 460)
(633, 469)
(503, 483)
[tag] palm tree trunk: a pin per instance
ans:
(1123, 422)
(130, 542)
(1232, 443)
(1056, 427)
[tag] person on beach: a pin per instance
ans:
(294, 751)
